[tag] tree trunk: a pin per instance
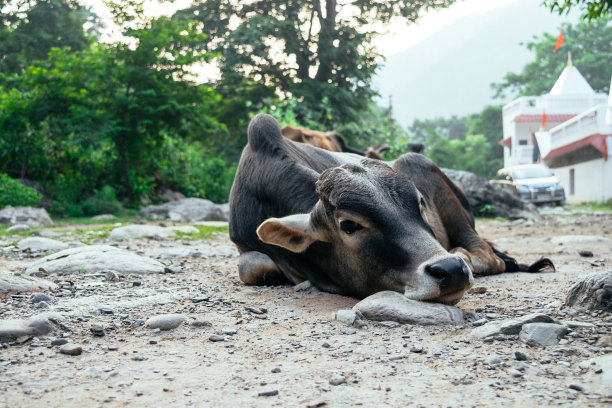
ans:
(326, 41)
(125, 165)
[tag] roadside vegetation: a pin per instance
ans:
(90, 125)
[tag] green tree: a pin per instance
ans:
(590, 45)
(590, 9)
(30, 28)
(310, 49)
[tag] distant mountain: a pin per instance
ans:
(450, 72)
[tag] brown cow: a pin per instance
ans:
(353, 225)
(332, 141)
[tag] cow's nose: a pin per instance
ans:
(451, 274)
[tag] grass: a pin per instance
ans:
(205, 232)
(589, 206)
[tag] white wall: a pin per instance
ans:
(592, 181)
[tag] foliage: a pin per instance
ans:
(30, 28)
(590, 9)
(305, 48)
(12, 192)
(81, 120)
(589, 43)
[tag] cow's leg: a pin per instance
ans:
(256, 268)
(453, 211)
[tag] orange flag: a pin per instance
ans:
(559, 41)
(543, 127)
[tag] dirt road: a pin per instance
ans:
(275, 346)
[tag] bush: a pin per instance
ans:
(12, 192)
(104, 201)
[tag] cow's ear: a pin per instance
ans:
(293, 232)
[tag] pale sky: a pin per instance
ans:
(400, 37)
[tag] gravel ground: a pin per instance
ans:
(277, 346)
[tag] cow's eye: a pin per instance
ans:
(423, 203)
(348, 226)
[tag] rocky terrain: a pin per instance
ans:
(178, 328)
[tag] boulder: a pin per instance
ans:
(21, 284)
(34, 217)
(542, 334)
(139, 231)
(168, 195)
(18, 228)
(11, 330)
(592, 292)
(480, 192)
(393, 306)
(188, 210)
(95, 259)
(41, 244)
(103, 217)
(512, 326)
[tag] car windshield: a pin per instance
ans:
(531, 172)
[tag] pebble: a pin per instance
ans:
(165, 321)
(110, 275)
(201, 323)
(59, 342)
(494, 360)
(40, 297)
(416, 349)
(542, 334)
(337, 380)
(516, 373)
(71, 349)
(478, 289)
(216, 337)
(42, 305)
(97, 330)
(349, 331)
(268, 393)
(106, 311)
(480, 322)
(520, 356)
(347, 317)
(585, 253)
(229, 332)
(575, 386)
(276, 370)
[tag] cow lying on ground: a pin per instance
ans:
(352, 225)
(332, 141)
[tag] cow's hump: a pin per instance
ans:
(264, 133)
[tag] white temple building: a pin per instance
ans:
(579, 136)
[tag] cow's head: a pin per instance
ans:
(375, 224)
(323, 140)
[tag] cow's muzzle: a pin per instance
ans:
(451, 274)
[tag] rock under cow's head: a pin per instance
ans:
(380, 233)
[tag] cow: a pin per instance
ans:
(332, 141)
(352, 225)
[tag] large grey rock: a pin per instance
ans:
(139, 231)
(41, 244)
(18, 228)
(578, 239)
(11, 330)
(34, 217)
(21, 284)
(95, 259)
(103, 217)
(592, 292)
(542, 334)
(393, 306)
(512, 326)
(188, 210)
(480, 192)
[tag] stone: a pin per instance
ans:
(586, 254)
(592, 292)
(165, 321)
(103, 217)
(509, 327)
(480, 192)
(542, 334)
(347, 317)
(169, 195)
(604, 341)
(40, 297)
(41, 244)
(493, 360)
(34, 217)
(97, 330)
(578, 239)
(11, 330)
(21, 284)
(18, 228)
(140, 231)
(188, 210)
(216, 337)
(520, 356)
(393, 306)
(71, 349)
(337, 380)
(95, 259)
(59, 342)
(186, 229)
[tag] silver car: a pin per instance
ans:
(534, 183)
